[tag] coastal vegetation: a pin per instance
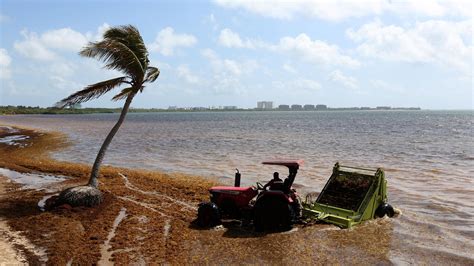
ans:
(30, 110)
(122, 49)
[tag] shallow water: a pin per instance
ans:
(37, 181)
(428, 157)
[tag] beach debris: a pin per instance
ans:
(47, 201)
(14, 140)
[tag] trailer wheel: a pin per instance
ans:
(385, 209)
(273, 214)
(208, 215)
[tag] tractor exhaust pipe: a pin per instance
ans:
(237, 178)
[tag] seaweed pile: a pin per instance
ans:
(346, 191)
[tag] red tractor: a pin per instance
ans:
(274, 206)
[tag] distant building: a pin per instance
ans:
(230, 107)
(383, 108)
(284, 107)
(365, 108)
(296, 107)
(308, 107)
(321, 107)
(199, 108)
(265, 105)
(172, 107)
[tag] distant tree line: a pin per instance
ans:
(20, 109)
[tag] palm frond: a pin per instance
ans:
(91, 92)
(152, 74)
(123, 94)
(129, 36)
(116, 55)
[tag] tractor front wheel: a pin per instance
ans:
(208, 215)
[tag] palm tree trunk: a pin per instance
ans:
(100, 156)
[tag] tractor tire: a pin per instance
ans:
(273, 214)
(385, 209)
(208, 215)
(296, 206)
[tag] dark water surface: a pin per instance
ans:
(428, 157)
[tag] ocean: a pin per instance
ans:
(428, 157)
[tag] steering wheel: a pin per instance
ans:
(259, 186)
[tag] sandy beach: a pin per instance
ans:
(86, 235)
(10, 256)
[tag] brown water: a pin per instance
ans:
(428, 157)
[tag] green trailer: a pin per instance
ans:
(351, 195)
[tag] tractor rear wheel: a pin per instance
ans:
(273, 214)
(385, 209)
(208, 215)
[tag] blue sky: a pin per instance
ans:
(223, 52)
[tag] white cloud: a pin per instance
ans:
(5, 62)
(45, 46)
(63, 69)
(100, 32)
(33, 48)
(444, 43)
(289, 68)
(346, 81)
(185, 73)
(313, 51)
(228, 66)
(167, 41)
(228, 74)
(316, 51)
(64, 39)
(64, 84)
(337, 10)
(230, 39)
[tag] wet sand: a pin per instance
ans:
(146, 217)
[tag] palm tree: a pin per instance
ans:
(121, 49)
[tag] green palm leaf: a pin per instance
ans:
(123, 94)
(91, 92)
(116, 55)
(129, 36)
(152, 74)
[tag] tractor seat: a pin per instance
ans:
(277, 185)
